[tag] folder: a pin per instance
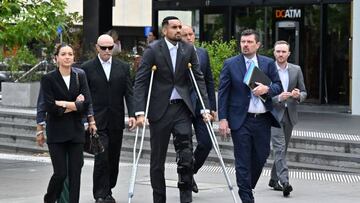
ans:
(255, 74)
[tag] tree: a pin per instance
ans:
(35, 22)
(23, 21)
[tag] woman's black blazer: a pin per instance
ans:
(60, 126)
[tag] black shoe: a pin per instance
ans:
(194, 186)
(275, 185)
(287, 188)
(100, 200)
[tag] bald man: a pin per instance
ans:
(204, 144)
(109, 82)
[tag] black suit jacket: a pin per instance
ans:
(165, 79)
(108, 96)
(60, 126)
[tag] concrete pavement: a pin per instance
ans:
(24, 178)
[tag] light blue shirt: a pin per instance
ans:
(256, 105)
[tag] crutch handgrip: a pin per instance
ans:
(189, 66)
(153, 68)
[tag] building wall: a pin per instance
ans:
(132, 13)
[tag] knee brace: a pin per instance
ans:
(185, 162)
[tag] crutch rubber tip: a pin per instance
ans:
(153, 68)
(189, 65)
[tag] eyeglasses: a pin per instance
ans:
(106, 47)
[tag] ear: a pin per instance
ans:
(258, 45)
(164, 31)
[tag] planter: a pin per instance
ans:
(20, 94)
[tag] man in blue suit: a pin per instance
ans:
(245, 114)
(204, 144)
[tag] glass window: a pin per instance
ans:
(191, 18)
(258, 18)
(213, 27)
(337, 50)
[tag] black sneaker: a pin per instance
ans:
(275, 185)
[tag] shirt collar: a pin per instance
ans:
(280, 69)
(105, 62)
(170, 45)
(254, 59)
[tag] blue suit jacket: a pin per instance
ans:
(234, 95)
(205, 68)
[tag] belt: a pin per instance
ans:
(256, 115)
(176, 101)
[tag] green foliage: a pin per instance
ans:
(23, 57)
(266, 52)
(23, 21)
(32, 22)
(218, 52)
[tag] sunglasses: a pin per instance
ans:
(106, 47)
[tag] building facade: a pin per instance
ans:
(322, 34)
(319, 32)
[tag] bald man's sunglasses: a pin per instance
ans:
(105, 47)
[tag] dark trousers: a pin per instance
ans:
(251, 149)
(176, 121)
(106, 165)
(204, 143)
(64, 197)
(62, 167)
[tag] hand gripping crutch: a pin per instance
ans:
(213, 137)
(136, 158)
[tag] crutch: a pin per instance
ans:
(213, 137)
(136, 158)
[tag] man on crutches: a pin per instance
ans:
(170, 108)
(204, 144)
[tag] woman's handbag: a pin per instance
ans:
(93, 144)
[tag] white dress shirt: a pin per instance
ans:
(67, 80)
(106, 66)
(284, 77)
(173, 53)
(256, 105)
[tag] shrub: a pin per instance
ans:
(218, 52)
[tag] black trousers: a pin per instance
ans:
(106, 165)
(176, 121)
(66, 158)
(204, 144)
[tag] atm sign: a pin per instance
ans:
(287, 13)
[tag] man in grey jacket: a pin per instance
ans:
(285, 108)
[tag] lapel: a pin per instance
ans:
(73, 86)
(179, 57)
(241, 64)
(61, 81)
(99, 69)
(166, 53)
(292, 79)
(112, 69)
(260, 62)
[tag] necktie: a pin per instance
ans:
(254, 98)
